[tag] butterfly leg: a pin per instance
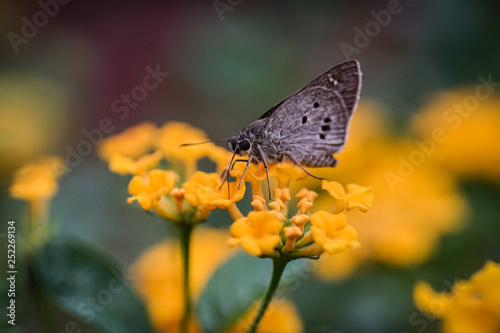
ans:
(245, 171)
(267, 170)
(300, 166)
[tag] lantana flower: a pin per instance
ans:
(471, 306)
(37, 182)
(270, 231)
(356, 196)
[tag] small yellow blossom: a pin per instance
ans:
(205, 192)
(357, 196)
(199, 179)
(471, 306)
(148, 189)
(332, 233)
(133, 142)
(173, 135)
(37, 180)
(281, 317)
(454, 139)
(36, 183)
(286, 172)
(258, 233)
(122, 164)
(159, 277)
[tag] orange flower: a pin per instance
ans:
(159, 277)
(123, 164)
(36, 183)
(357, 196)
(133, 142)
(205, 192)
(258, 234)
(148, 189)
(332, 233)
(471, 307)
(37, 180)
(282, 316)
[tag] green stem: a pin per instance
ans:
(278, 268)
(185, 230)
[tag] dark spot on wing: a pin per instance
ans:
(325, 128)
(304, 120)
(327, 119)
(322, 136)
(316, 104)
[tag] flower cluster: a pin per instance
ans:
(471, 306)
(271, 231)
(176, 192)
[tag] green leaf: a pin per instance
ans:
(86, 284)
(231, 290)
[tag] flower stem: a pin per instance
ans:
(185, 230)
(279, 265)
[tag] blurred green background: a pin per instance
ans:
(225, 70)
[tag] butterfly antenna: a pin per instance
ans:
(201, 143)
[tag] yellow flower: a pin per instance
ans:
(205, 192)
(286, 172)
(357, 196)
(281, 317)
(123, 164)
(133, 142)
(332, 233)
(454, 131)
(174, 134)
(471, 306)
(158, 275)
(148, 189)
(258, 233)
(37, 180)
(36, 183)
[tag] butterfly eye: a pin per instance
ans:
(244, 145)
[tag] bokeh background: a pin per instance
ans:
(226, 68)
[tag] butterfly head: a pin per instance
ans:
(240, 145)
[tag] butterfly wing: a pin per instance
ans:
(344, 78)
(311, 125)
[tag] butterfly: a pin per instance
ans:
(306, 128)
